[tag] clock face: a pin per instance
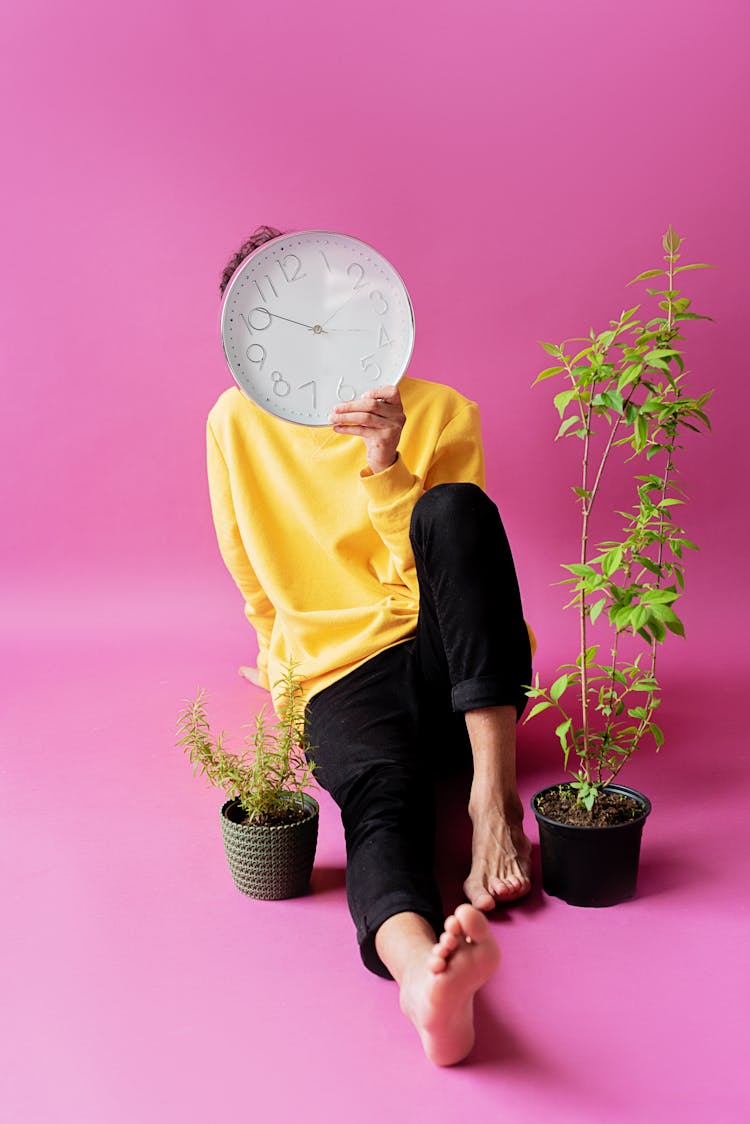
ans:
(314, 318)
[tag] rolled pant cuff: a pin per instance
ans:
(367, 950)
(484, 690)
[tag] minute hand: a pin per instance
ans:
(338, 310)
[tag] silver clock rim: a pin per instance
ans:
(257, 251)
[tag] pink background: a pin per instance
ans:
(518, 163)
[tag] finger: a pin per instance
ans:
(376, 406)
(388, 394)
(354, 430)
(358, 417)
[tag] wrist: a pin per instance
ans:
(377, 465)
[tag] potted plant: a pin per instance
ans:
(625, 393)
(269, 822)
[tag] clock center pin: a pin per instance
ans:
(317, 329)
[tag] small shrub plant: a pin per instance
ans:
(625, 388)
(271, 775)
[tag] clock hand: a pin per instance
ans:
(276, 316)
(336, 312)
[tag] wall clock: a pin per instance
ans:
(314, 318)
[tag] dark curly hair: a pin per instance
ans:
(260, 235)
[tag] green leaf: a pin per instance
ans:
(562, 400)
(658, 630)
(562, 731)
(537, 709)
(647, 563)
(547, 374)
(686, 543)
(640, 618)
(671, 241)
(646, 275)
(558, 687)
(621, 617)
(612, 399)
(676, 626)
(659, 596)
(612, 561)
(566, 425)
(589, 656)
(596, 609)
(661, 353)
(658, 734)
(697, 265)
(551, 348)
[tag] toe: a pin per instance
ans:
(473, 923)
(483, 900)
(437, 964)
(478, 894)
(508, 889)
(448, 943)
(453, 926)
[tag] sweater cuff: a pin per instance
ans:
(389, 486)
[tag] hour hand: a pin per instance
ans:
(310, 327)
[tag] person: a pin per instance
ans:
(371, 555)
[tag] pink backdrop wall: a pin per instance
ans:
(518, 163)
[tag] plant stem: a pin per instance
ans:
(605, 454)
(584, 545)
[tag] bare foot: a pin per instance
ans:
(251, 674)
(438, 989)
(500, 855)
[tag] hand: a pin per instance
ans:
(378, 418)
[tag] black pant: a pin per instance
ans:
(379, 733)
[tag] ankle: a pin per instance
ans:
(503, 803)
(403, 941)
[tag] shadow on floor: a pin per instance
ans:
(328, 879)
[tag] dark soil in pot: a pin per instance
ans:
(559, 804)
(293, 814)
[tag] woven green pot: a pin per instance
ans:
(270, 862)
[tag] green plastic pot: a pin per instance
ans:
(267, 862)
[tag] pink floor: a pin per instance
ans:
(139, 986)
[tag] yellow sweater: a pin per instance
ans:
(318, 545)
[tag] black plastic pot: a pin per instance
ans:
(591, 866)
(270, 862)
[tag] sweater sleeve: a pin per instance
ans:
(458, 458)
(258, 609)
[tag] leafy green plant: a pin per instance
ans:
(626, 389)
(271, 775)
